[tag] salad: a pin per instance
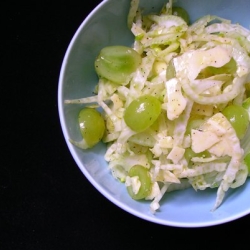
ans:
(174, 108)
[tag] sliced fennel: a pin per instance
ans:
(194, 71)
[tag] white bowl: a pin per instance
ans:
(106, 25)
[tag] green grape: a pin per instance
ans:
(228, 68)
(155, 125)
(179, 11)
(117, 63)
(247, 92)
(142, 112)
(145, 180)
(247, 86)
(238, 117)
(189, 153)
(247, 161)
(193, 123)
(92, 126)
(246, 103)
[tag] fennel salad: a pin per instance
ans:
(174, 108)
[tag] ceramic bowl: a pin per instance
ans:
(106, 25)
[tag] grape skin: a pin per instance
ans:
(142, 112)
(117, 63)
(238, 117)
(92, 126)
(179, 11)
(145, 181)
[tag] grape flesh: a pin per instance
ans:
(238, 117)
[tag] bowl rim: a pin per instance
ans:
(87, 174)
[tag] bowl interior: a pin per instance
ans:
(106, 25)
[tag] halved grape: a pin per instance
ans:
(238, 117)
(142, 112)
(92, 126)
(117, 63)
(179, 11)
(145, 180)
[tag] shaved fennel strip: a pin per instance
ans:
(221, 98)
(85, 100)
(132, 12)
(181, 124)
